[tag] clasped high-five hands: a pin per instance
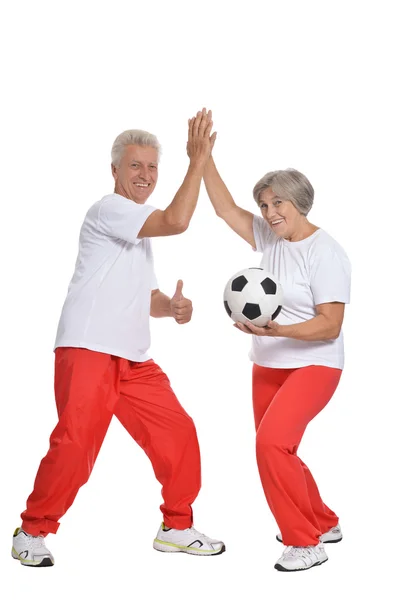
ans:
(200, 140)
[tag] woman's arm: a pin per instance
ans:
(325, 326)
(240, 220)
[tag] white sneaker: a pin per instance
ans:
(30, 550)
(332, 536)
(299, 558)
(189, 540)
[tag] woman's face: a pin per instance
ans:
(283, 217)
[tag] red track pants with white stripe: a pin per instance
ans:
(91, 387)
(285, 401)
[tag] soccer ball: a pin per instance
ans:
(253, 295)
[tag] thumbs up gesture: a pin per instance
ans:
(181, 307)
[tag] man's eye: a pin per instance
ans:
(135, 165)
(263, 205)
(153, 167)
(277, 202)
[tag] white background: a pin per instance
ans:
(309, 85)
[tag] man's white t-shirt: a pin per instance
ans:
(107, 307)
(312, 271)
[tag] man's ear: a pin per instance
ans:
(114, 172)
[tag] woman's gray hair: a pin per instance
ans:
(131, 137)
(289, 184)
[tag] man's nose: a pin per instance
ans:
(145, 173)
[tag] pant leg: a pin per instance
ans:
(266, 383)
(86, 391)
(151, 413)
(303, 394)
(326, 518)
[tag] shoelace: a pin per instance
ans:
(36, 542)
(198, 534)
(195, 532)
(298, 550)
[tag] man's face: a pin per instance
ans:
(137, 174)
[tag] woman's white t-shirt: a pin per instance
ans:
(312, 271)
(107, 308)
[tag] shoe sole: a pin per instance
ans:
(327, 542)
(167, 547)
(46, 562)
(283, 569)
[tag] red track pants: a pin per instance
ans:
(91, 387)
(285, 401)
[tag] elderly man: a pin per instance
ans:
(101, 363)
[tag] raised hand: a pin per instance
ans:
(200, 141)
(181, 307)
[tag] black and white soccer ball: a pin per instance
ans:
(253, 295)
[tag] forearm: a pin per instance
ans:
(317, 329)
(218, 193)
(160, 305)
(182, 207)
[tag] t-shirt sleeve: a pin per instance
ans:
(154, 281)
(330, 275)
(262, 233)
(122, 218)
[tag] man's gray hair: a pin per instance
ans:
(131, 137)
(289, 184)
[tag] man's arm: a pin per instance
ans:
(160, 304)
(178, 307)
(176, 217)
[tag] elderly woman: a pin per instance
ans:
(298, 360)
